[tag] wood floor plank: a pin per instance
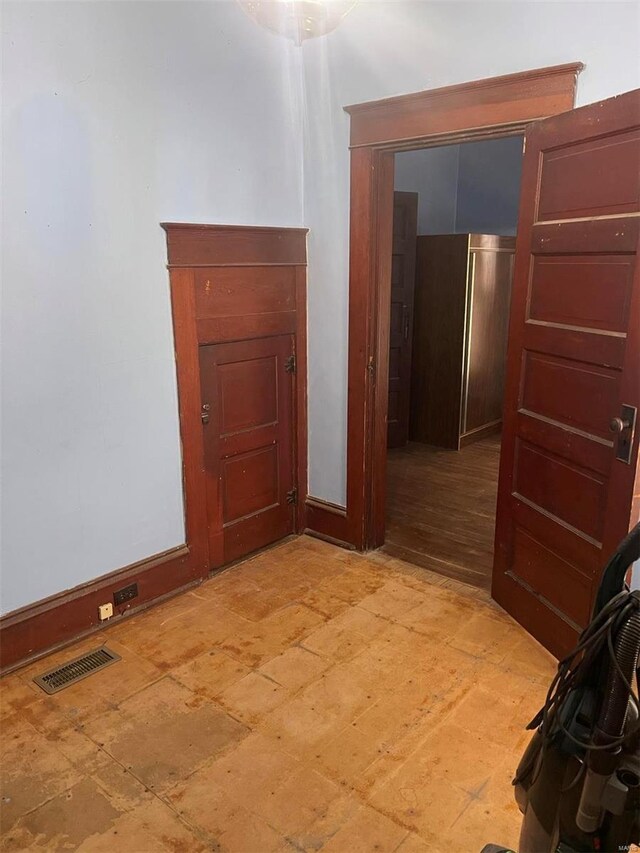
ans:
(441, 508)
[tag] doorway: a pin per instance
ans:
(566, 486)
(454, 226)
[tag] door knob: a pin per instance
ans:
(618, 425)
(624, 428)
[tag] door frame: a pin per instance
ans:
(482, 109)
(191, 247)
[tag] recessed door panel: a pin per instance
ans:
(240, 410)
(561, 491)
(250, 483)
(557, 580)
(584, 291)
(579, 395)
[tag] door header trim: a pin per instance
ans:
(506, 103)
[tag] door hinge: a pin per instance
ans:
(292, 497)
(290, 364)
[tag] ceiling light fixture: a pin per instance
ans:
(298, 19)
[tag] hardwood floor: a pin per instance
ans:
(441, 508)
(308, 699)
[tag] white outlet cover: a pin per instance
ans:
(105, 611)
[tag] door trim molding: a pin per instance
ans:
(481, 109)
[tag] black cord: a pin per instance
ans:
(595, 645)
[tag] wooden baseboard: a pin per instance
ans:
(39, 628)
(327, 521)
(480, 433)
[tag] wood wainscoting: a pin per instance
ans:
(228, 283)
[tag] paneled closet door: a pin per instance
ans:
(247, 414)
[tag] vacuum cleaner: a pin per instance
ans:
(578, 782)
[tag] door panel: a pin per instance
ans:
(403, 272)
(570, 392)
(248, 444)
(564, 500)
(592, 292)
(612, 165)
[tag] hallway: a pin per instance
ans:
(441, 508)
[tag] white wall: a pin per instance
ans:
(389, 48)
(117, 115)
(474, 187)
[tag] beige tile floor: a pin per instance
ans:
(307, 699)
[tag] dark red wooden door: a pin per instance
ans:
(247, 400)
(403, 279)
(565, 499)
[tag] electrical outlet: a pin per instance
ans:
(120, 596)
(105, 611)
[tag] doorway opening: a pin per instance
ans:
(566, 495)
(454, 226)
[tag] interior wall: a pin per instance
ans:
(389, 48)
(433, 174)
(489, 186)
(117, 116)
(474, 187)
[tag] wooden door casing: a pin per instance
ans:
(248, 444)
(564, 500)
(482, 109)
(403, 276)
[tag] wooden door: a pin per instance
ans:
(403, 272)
(565, 498)
(247, 412)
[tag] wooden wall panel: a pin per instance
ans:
(238, 291)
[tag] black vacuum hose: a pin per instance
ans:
(610, 726)
(609, 729)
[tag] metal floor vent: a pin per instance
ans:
(76, 669)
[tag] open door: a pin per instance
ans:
(403, 280)
(570, 446)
